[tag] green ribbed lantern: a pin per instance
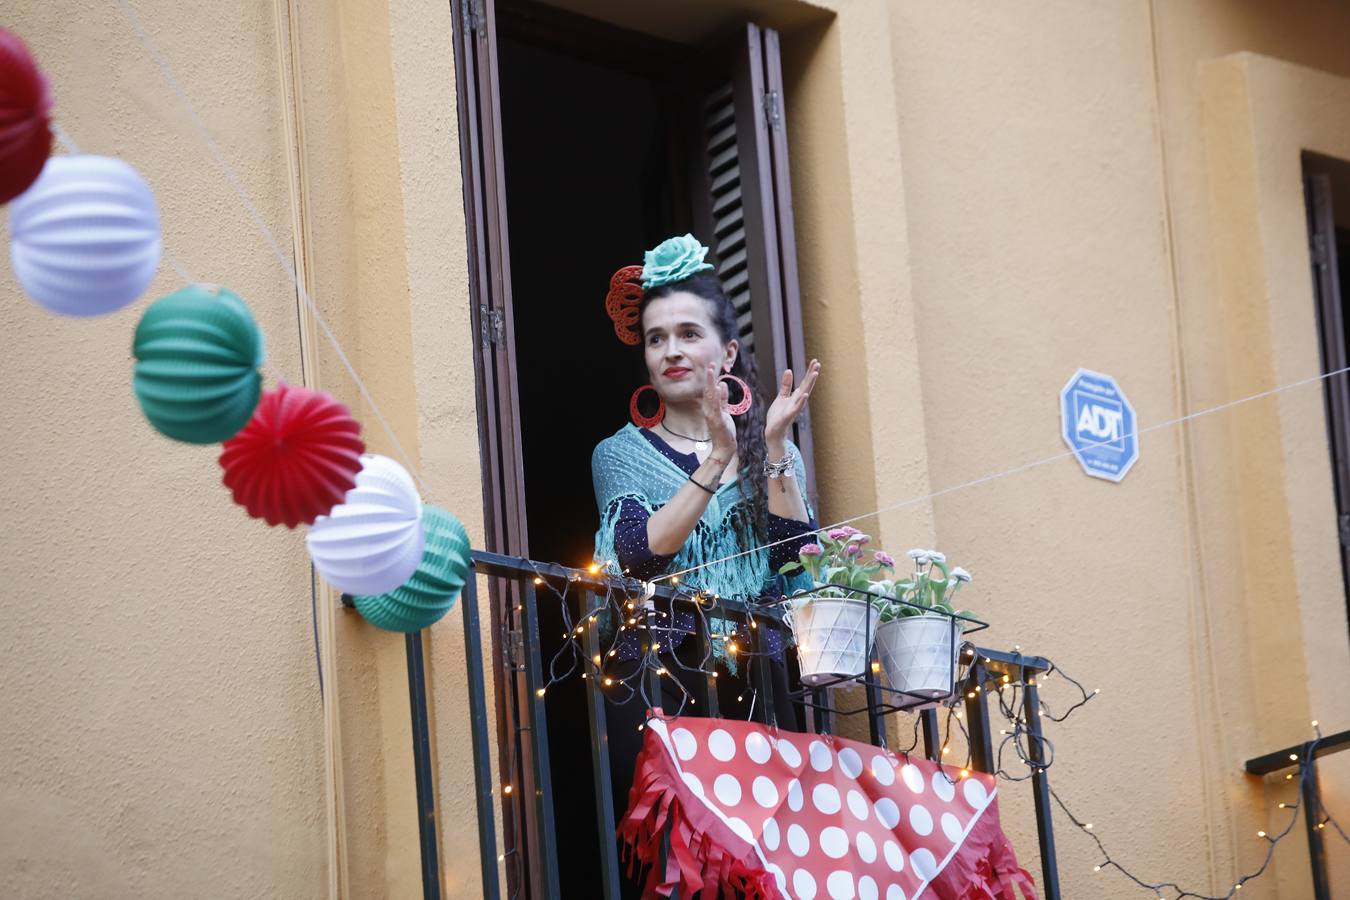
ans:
(197, 356)
(431, 590)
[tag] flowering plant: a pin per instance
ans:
(839, 563)
(932, 587)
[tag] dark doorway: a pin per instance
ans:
(1327, 193)
(582, 145)
(592, 166)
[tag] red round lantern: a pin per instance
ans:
(25, 126)
(296, 458)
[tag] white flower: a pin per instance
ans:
(960, 574)
(934, 556)
(917, 555)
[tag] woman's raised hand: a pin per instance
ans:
(721, 427)
(788, 405)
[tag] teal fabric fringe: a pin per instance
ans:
(626, 466)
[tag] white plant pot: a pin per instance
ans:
(918, 655)
(832, 636)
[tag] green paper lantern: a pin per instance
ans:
(197, 356)
(433, 588)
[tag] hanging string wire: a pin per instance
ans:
(152, 50)
(1015, 470)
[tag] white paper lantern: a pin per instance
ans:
(85, 238)
(371, 542)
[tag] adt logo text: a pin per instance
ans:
(1098, 424)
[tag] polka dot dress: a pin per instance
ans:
(829, 818)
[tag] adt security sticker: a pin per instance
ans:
(1098, 425)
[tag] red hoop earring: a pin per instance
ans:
(743, 405)
(646, 421)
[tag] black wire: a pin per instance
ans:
(314, 621)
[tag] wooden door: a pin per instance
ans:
(741, 197)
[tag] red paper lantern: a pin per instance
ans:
(25, 128)
(296, 458)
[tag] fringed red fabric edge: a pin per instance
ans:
(704, 854)
(985, 866)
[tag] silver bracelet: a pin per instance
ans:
(778, 468)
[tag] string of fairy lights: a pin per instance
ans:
(593, 647)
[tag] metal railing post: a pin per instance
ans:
(478, 721)
(1040, 783)
(977, 721)
(538, 743)
(604, 791)
(1312, 804)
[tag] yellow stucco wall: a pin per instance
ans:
(987, 198)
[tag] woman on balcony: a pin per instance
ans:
(704, 482)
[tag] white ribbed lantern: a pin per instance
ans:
(85, 238)
(371, 542)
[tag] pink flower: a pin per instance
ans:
(810, 550)
(838, 534)
(884, 558)
(853, 549)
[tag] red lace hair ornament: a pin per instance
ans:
(622, 302)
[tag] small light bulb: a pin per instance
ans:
(596, 659)
(539, 581)
(539, 693)
(1293, 757)
(1314, 723)
(594, 567)
(965, 772)
(507, 789)
(1088, 826)
(1096, 868)
(1260, 834)
(608, 682)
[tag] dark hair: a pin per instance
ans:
(749, 427)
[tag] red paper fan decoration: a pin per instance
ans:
(25, 129)
(296, 458)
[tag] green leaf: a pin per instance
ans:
(942, 567)
(789, 568)
(938, 589)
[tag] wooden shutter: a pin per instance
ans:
(1331, 316)
(533, 870)
(742, 204)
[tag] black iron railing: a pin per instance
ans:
(1303, 758)
(529, 857)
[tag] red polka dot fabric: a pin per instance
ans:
(778, 814)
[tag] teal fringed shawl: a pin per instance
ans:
(627, 466)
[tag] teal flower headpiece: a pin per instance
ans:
(673, 260)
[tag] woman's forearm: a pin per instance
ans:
(670, 526)
(785, 496)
